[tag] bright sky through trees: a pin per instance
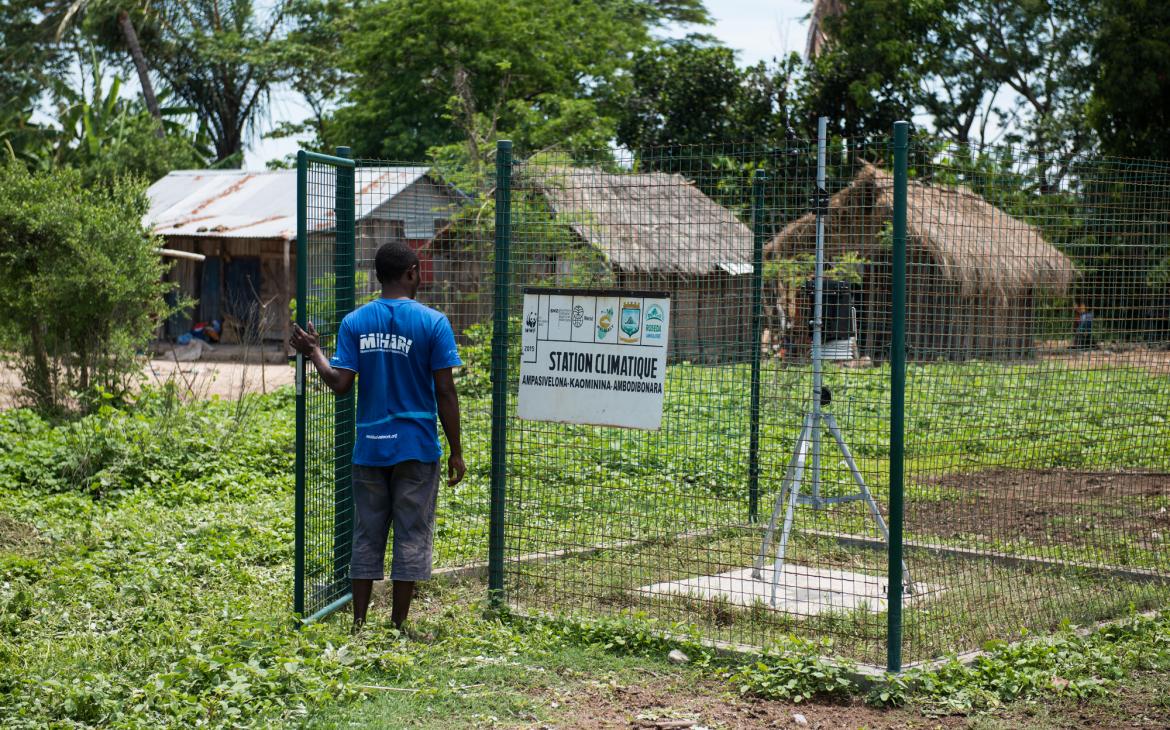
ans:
(758, 29)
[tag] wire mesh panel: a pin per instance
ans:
(1038, 391)
(325, 422)
(423, 205)
(1037, 385)
(347, 210)
(728, 517)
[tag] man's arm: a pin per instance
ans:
(339, 380)
(448, 402)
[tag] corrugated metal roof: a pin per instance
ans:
(257, 204)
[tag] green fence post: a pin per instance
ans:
(897, 402)
(758, 181)
(302, 287)
(343, 413)
(500, 372)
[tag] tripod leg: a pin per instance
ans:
(831, 422)
(782, 546)
(758, 563)
(816, 459)
(769, 534)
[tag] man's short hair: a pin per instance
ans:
(393, 260)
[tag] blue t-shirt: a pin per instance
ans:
(395, 346)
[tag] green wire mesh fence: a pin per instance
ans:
(1038, 325)
(671, 523)
(1037, 386)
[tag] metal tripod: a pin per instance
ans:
(808, 446)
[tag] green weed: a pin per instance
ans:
(794, 670)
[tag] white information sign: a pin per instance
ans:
(594, 357)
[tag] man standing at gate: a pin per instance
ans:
(401, 354)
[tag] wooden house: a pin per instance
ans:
(976, 277)
(244, 224)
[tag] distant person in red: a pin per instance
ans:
(1082, 328)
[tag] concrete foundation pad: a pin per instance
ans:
(801, 591)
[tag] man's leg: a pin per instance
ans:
(415, 488)
(403, 593)
(362, 589)
(372, 513)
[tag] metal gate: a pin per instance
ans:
(325, 422)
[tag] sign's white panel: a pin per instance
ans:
(594, 357)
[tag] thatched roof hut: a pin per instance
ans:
(975, 274)
(583, 225)
(650, 223)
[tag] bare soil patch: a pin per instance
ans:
(1054, 505)
(18, 537)
(1157, 361)
(221, 379)
(662, 702)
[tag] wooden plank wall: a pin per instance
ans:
(276, 288)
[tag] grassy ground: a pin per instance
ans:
(968, 417)
(1000, 457)
(489, 674)
(145, 561)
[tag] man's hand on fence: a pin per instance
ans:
(455, 469)
(302, 341)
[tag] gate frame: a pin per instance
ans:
(343, 435)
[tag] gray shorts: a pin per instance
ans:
(403, 494)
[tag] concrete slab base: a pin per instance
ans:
(802, 590)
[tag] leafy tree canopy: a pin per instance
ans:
(870, 75)
(1130, 108)
(425, 75)
(967, 66)
(220, 58)
(692, 92)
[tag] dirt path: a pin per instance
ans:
(661, 703)
(222, 379)
(1157, 361)
(200, 379)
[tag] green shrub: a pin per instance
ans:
(475, 377)
(81, 288)
(1069, 664)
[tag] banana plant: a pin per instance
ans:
(93, 123)
(104, 121)
(75, 9)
